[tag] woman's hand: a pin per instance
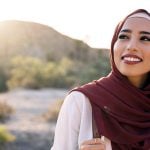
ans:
(94, 144)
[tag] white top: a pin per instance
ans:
(74, 124)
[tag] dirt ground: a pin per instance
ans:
(31, 131)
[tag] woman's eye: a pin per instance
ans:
(122, 36)
(145, 38)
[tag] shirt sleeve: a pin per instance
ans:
(74, 123)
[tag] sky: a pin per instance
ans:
(92, 21)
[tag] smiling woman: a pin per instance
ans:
(118, 104)
(131, 50)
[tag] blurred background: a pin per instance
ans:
(48, 47)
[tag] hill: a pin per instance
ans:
(28, 39)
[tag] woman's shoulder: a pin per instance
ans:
(77, 99)
(76, 95)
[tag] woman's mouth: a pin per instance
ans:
(131, 59)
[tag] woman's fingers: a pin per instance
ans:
(94, 144)
(93, 141)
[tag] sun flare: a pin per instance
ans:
(90, 21)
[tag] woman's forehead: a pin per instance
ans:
(137, 23)
(139, 19)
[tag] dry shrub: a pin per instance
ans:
(53, 111)
(5, 111)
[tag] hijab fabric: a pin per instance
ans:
(121, 111)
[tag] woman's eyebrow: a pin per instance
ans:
(129, 31)
(126, 30)
(145, 32)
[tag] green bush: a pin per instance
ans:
(31, 72)
(25, 72)
(57, 74)
(5, 135)
(3, 77)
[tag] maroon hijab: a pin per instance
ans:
(121, 111)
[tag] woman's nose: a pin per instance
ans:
(132, 45)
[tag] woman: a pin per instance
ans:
(119, 104)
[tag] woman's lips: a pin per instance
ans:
(131, 59)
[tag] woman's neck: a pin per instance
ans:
(138, 82)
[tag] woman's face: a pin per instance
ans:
(132, 48)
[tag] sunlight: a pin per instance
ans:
(75, 18)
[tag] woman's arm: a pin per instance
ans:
(74, 123)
